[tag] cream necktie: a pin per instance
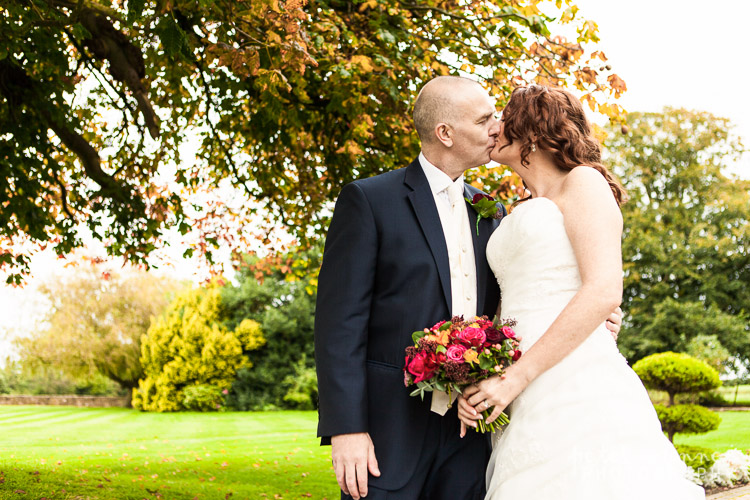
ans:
(440, 400)
(456, 196)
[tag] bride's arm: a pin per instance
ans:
(594, 225)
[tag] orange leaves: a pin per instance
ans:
(618, 84)
(587, 75)
(369, 4)
(363, 62)
(242, 62)
(351, 147)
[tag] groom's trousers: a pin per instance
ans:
(449, 468)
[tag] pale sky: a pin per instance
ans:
(681, 53)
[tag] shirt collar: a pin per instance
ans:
(437, 179)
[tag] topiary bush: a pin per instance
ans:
(677, 373)
(687, 419)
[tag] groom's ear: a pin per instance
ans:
(444, 134)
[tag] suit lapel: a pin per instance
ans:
(423, 203)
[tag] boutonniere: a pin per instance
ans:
(485, 206)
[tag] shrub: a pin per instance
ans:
(285, 309)
(188, 346)
(686, 419)
(303, 387)
(679, 373)
(674, 373)
(698, 458)
(202, 397)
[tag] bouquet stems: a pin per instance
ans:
(484, 427)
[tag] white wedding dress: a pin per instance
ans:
(584, 429)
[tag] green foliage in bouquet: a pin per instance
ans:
(687, 419)
(188, 346)
(680, 373)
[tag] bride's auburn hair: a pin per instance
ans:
(557, 120)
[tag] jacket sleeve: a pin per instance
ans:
(345, 288)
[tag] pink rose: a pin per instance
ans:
(472, 336)
(508, 332)
(456, 353)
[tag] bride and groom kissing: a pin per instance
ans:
(404, 251)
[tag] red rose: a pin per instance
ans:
(472, 336)
(494, 336)
(481, 196)
(516, 354)
(484, 323)
(422, 366)
(437, 326)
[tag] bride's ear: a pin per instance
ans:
(444, 134)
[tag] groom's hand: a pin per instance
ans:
(353, 456)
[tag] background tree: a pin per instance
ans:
(290, 99)
(686, 246)
(709, 349)
(96, 321)
(19, 377)
(279, 292)
(189, 357)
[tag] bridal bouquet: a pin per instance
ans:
(454, 354)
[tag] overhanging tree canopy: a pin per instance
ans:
(290, 100)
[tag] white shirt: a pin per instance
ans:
(457, 232)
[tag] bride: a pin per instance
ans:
(582, 425)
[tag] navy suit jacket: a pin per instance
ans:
(385, 274)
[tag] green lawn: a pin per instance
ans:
(742, 393)
(733, 432)
(115, 453)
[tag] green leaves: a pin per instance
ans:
(685, 233)
(173, 39)
(290, 100)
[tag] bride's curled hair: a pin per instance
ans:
(554, 120)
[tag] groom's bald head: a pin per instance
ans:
(441, 100)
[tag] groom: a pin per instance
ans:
(403, 253)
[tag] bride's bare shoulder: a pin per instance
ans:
(585, 178)
(585, 188)
(585, 181)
